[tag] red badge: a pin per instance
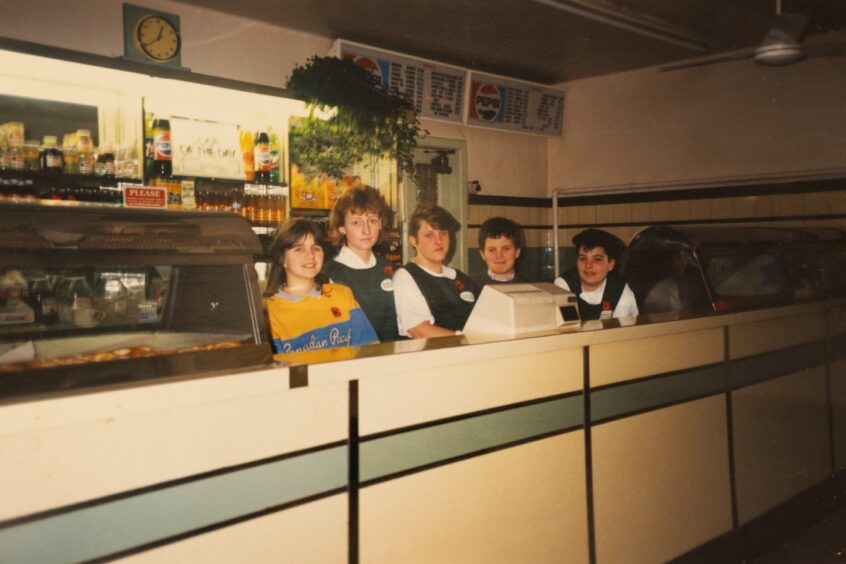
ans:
(336, 312)
(606, 306)
(389, 270)
(459, 285)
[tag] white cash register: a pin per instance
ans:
(512, 309)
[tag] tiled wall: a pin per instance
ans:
(807, 209)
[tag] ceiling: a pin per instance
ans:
(547, 41)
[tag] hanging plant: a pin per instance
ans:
(369, 121)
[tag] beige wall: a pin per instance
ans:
(213, 43)
(225, 46)
(716, 123)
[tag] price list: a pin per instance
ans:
(435, 90)
(515, 106)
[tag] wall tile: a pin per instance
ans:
(789, 205)
(641, 212)
(700, 209)
(743, 207)
(569, 215)
(838, 202)
(624, 233)
(680, 210)
(622, 213)
(475, 214)
(604, 214)
(587, 215)
(659, 211)
(472, 238)
(764, 206)
(817, 203)
(721, 208)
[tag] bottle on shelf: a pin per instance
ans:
(70, 156)
(85, 148)
(105, 162)
(44, 301)
(149, 148)
(162, 149)
(51, 156)
(274, 156)
(32, 155)
(163, 164)
(247, 146)
(237, 201)
(261, 157)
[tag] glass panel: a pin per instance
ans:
(746, 276)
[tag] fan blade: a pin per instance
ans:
(786, 28)
(710, 60)
(825, 49)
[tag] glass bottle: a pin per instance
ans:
(85, 147)
(51, 155)
(112, 297)
(74, 300)
(44, 301)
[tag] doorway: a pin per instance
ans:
(441, 166)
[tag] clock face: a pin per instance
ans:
(156, 38)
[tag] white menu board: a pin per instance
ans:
(206, 149)
(436, 90)
(514, 106)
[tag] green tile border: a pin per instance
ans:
(98, 530)
(421, 448)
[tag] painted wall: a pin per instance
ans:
(230, 47)
(716, 123)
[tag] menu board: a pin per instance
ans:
(514, 106)
(436, 90)
(205, 148)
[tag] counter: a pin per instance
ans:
(628, 444)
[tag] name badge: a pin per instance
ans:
(387, 284)
(467, 296)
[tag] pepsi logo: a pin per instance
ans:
(487, 102)
(369, 64)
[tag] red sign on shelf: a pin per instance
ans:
(140, 196)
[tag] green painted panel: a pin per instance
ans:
(113, 526)
(404, 451)
(641, 395)
(754, 369)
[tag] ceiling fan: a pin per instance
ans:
(782, 45)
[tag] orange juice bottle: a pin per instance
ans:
(246, 142)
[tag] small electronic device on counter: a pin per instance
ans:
(512, 309)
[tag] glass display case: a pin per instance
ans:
(702, 269)
(98, 296)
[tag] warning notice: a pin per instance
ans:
(140, 196)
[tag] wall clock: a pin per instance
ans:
(151, 36)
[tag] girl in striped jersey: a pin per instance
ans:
(305, 312)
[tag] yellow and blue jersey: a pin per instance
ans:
(326, 320)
